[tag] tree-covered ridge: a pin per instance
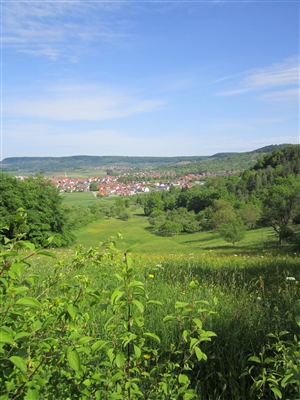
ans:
(180, 164)
(285, 161)
(37, 164)
(224, 161)
(43, 205)
(227, 204)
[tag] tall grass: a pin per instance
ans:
(251, 297)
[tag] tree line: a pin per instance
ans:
(268, 194)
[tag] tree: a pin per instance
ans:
(125, 215)
(281, 205)
(151, 202)
(170, 228)
(43, 206)
(219, 213)
(233, 230)
(250, 214)
(94, 187)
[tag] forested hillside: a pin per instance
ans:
(181, 164)
(224, 161)
(266, 195)
(48, 164)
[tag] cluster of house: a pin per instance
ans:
(110, 185)
(142, 182)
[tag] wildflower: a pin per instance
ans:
(290, 278)
(146, 356)
(151, 276)
(259, 298)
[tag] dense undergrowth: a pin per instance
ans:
(102, 324)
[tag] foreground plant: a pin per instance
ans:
(47, 349)
(279, 364)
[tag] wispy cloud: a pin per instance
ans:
(282, 75)
(80, 103)
(283, 95)
(60, 29)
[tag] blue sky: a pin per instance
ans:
(142, 78)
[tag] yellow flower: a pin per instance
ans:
(151, 276)
(146, 356)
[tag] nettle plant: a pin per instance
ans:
(48, 350)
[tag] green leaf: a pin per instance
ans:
(137, 351)
(198, 353)
(193, 343)
(152, 336)
(184, 335)
(87, 383)
(48, 321)
(120, 360)
(197, 322)
(46, 253)
(276, 391)
(99, 344)
(21, 336)
(8, 253)
(28, 244)
(6, 338)
(189, 395)
(28, 302)
(117, 294)
(32, 394)
(119, 277)
(119, 375)
(180, 304)
(254, 359)
(135, 284)
(83, 340)
(285, 379)
(47, 241)
(36, 326)
(19, 363)
(139, 305)
(17, 269)
(72, 310)
(159, 303)
(74, 360)
(169, 318)
(183, 379)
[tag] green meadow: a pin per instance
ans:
(137, 232)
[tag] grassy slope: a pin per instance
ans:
(137, 231)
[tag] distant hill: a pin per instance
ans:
(225, 161)
(49, 164)
(219, 161)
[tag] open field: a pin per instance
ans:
(137, 232)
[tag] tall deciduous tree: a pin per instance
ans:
(281, 204)
(43, 205)
(233, 230)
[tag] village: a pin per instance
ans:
(142, 182)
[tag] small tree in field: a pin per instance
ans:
(233, 230)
